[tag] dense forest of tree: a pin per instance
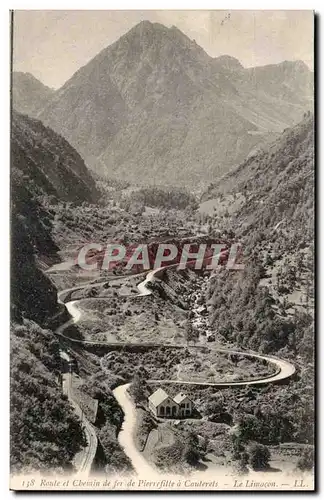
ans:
(45, 433)
(275, 225)
(32, 293)
(242, 312)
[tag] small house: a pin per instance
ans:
(185, 404)
(162, 405)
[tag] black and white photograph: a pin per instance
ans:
(162, 250)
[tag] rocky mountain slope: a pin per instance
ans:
(47, 162)
(44, 167)
(154, 107)
(277, 186)
(270, 304)
(29, 95)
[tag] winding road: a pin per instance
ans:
(284, 370)
(125, 436)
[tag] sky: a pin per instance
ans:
(53, 45)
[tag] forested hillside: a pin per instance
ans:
(33, 295)
(47, 163)
(44, 167)
(45, 433)
(278, 188)
(269, 305)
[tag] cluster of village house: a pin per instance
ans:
(162, 405)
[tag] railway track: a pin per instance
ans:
(90, 450)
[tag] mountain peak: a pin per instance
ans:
(156, 31)
(155, 45)
(146, 27)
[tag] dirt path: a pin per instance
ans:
(125, 436)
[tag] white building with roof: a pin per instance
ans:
(162, 405)
(185, 405)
